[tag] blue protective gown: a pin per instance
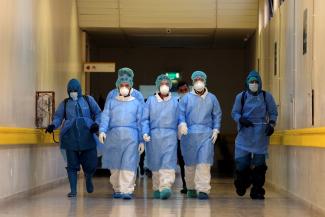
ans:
(121, 121)
(259, 111)
(78, 122)
(160, 121)
(78, 145)
(202, 115)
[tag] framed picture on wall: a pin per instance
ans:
(44, 108)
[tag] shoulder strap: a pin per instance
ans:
(243, 98)
(65, 108)
(87, 100)
(264, 95)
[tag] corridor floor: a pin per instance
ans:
(223, 202)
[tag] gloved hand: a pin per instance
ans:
(214, 136)
(102, 137)
(141, 148)
(94, 128)
(50, 128)
(270, 128)
(245, 122)
(182, 130)
(146, 138)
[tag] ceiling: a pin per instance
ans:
(220, 14)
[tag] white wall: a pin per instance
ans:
(319, 63)
(299, 170)
(292, 85)
(40, 51)
(29, 166)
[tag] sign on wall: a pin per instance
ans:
(99, 67)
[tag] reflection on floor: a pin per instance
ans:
(223, 202)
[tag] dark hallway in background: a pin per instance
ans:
(225, 55)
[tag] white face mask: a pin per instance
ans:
(74, 96)
(124, 91)
(164, 89)
(199, 86)
(253, 87)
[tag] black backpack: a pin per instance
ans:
(244, 96)
(92, 115)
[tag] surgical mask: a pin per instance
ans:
(124, 91)
(199, 86)
(253, 87)
(74, 96)
(164, 89)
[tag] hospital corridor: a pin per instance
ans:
(160, 108)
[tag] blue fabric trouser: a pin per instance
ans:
(248, 160)
(87, 159)
(246, 176)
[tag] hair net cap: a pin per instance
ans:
(161, 78)
(125, 72)
(124, 79)
(252, 79)
(199, 74)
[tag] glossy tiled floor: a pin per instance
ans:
(223, 202)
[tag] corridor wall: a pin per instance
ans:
(40, 51)
(294, 72)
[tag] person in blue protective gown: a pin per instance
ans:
(255, 112)
(121, 125)
(182, 90)
(200, 121)
(160, 120)
(135, 93)
(127, 72)
(81, 116)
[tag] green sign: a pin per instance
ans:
(173, 75)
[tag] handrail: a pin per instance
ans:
(307, 137)
(24, 136)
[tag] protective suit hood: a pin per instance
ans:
(74, 84)
(256, 75)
